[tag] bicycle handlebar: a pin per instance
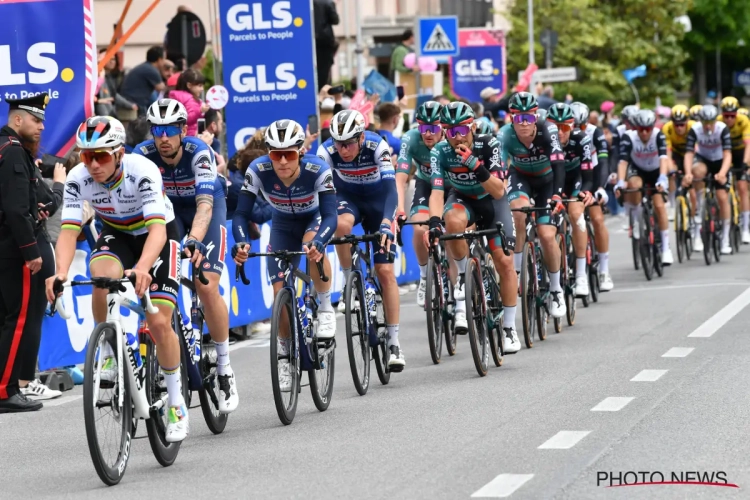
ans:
(352, 239)
(105, 283)
(197, 270)
(287, 256)
(472, 235)
(403, 222)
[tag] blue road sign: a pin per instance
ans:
(437, 36)
(742, 78)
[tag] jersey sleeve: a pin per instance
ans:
(692, 137)
(745, 130)
(600, 143)
(323, 154)
(502, 138)
(252, 181)
(436, 169)
(384, 161)
(556, 158)
(626, 147)
(151, 191)
(661, 144)
(491, 156)
(586, 153)
(324, 181)
(403, 163)
(204, 170)
(667, 131)
(72, 212)
(726, 139)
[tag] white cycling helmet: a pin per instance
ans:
(166, 112)
(347, 124)
(99, 132)
(284, 134)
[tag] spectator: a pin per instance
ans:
(107, 100)
(262, 210)
(326, 45)
(547, 98)
(492, 100)
(141, 82)
(442, 100)
(168, 70)
(594, 118)
(389, 116)
(400, 52)
(214, 125)
(137, 131)
(188, 91)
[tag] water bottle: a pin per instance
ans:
(370, 297)
(135, 350)
(196, 345)
(302, 311)
(486, 284)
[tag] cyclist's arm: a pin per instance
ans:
(436, 181)
(726, 144)
(245, 203)
(154, 216)
(328, 216)
(71, 220)
(601, 166)
(388, 179)
(692, 138)
(204, 170)
(403, 168)
(626, 147)
(557, 159)
(746, 140)
(588, 171)
(493, 185)
(661, 148)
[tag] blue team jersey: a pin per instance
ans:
(301, 197)
(194, 175)
(368, 173)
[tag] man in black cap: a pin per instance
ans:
(20, 260)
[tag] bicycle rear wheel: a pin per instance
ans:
(156, 388)
(321, 381)
(283, 314)
(433, 310)
(209, 393)
(495, 312)
(634, 243)
(679, 225)
(529, 292)
(592, 262)
(542, 305)
(567, 273)
(380, 352)
(111, 468)
(646, 233)
(475, 317)
(449, 311)
(357, 339)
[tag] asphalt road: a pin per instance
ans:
(626, 389)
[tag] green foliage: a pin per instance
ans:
(208, 69)
(602, 38)
(718, 24)
(593, 94)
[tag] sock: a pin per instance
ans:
(325, 301)
(726, 226)
(665, 241)
(699, 204)
(222, 358)
(604, 262)
(672, 196)
(461, 305)
(628, 208)
(105, 351)
(745, 221)
(461, 265)
(580, 266)
(518, 260)
(392, 335)
(173, 377)
(637, 221)
(423, 271)
(554, 282)
(509, 316)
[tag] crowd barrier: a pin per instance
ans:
(64, 341)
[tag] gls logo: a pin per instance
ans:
(469, 68)
(46, 67)
(242, 79)
(240, 19)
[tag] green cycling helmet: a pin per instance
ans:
(456, 113)
(560, 113)
(484, 128)
(523, 102)
(429, 112)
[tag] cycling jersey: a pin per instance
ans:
(675, 142)
(413, 150)
(446, 163)
(579, 163)
(544, 158)
(194, 175)
(739, 132)
(711, 144)
(645, 156)
(130, 203)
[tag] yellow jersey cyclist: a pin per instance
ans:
(695, 111)
(416, 145)
(714, 156)
(140, 238)
(471, 165)
(676, 132)
(739, 133)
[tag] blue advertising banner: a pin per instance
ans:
(268, 56)
(49, 46)
(64, 342)
(480, 65)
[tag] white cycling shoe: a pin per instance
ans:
(582, 286)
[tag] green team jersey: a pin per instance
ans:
(447, 165)
(413, 149)
(536, 160)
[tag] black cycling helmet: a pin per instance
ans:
(645, 118)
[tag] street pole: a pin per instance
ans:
(360, 49)
(718, 75)
(530, 21)
(346, 37)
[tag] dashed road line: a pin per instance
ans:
(564, 440)
(648, 376)
(502, 486)
(721, 318)
(61, 401)
(612, 404)
(678, 352)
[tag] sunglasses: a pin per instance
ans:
(278, 155)
(462, 130)
(168, 130)
(426, 127)
(730, 115)
(644, 129)
(708, 122)
(583, 126)
(524, 118)
(562, 126)
(680, 124)
(101, 157)
(346, 144)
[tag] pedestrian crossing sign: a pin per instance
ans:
(437, 36)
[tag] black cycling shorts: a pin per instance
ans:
(541, 189)
(572, 183)
(714, 167)
(649, 177)
(485, 213)
(126, 249)
(420, 203)
(738, 162)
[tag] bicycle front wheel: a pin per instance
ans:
(679, 225)
(209, 393)
(434, 311)
(321, 381)
(475, 317)
(285, 394)
(109, 466)
(357, 338)
(529, 286)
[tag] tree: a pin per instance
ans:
(717, 24)
(603, 38)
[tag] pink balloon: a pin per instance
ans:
(409, 60)
(427, 64)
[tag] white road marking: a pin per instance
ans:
(678, 352)
(502, 486)
(722, 317)
(648, 376)
(675, 287)
(612, 404)
(564, 440)
(62, 400)
(250, 343)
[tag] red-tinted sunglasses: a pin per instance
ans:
(278, 155)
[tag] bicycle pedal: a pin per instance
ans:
(396, 368)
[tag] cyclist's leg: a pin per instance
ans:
(420, 211)
(722, 195)
(506, 269)
(738, 170)
(349, 216)
(633, 200)
(542, 190)
(518, 197)
(326, 314)
(575, 211)
(287, 234)
(458, 215)
(601, 238)
(660, 210)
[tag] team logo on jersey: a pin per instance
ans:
(385, 155)
(328, 181)
(145, 185)
(73, 189)
(330, 149)
(264, 166)
(371, 145)
(190, 147)
(204, 162)
(148, 148)
(248, 180)
(312, 167)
